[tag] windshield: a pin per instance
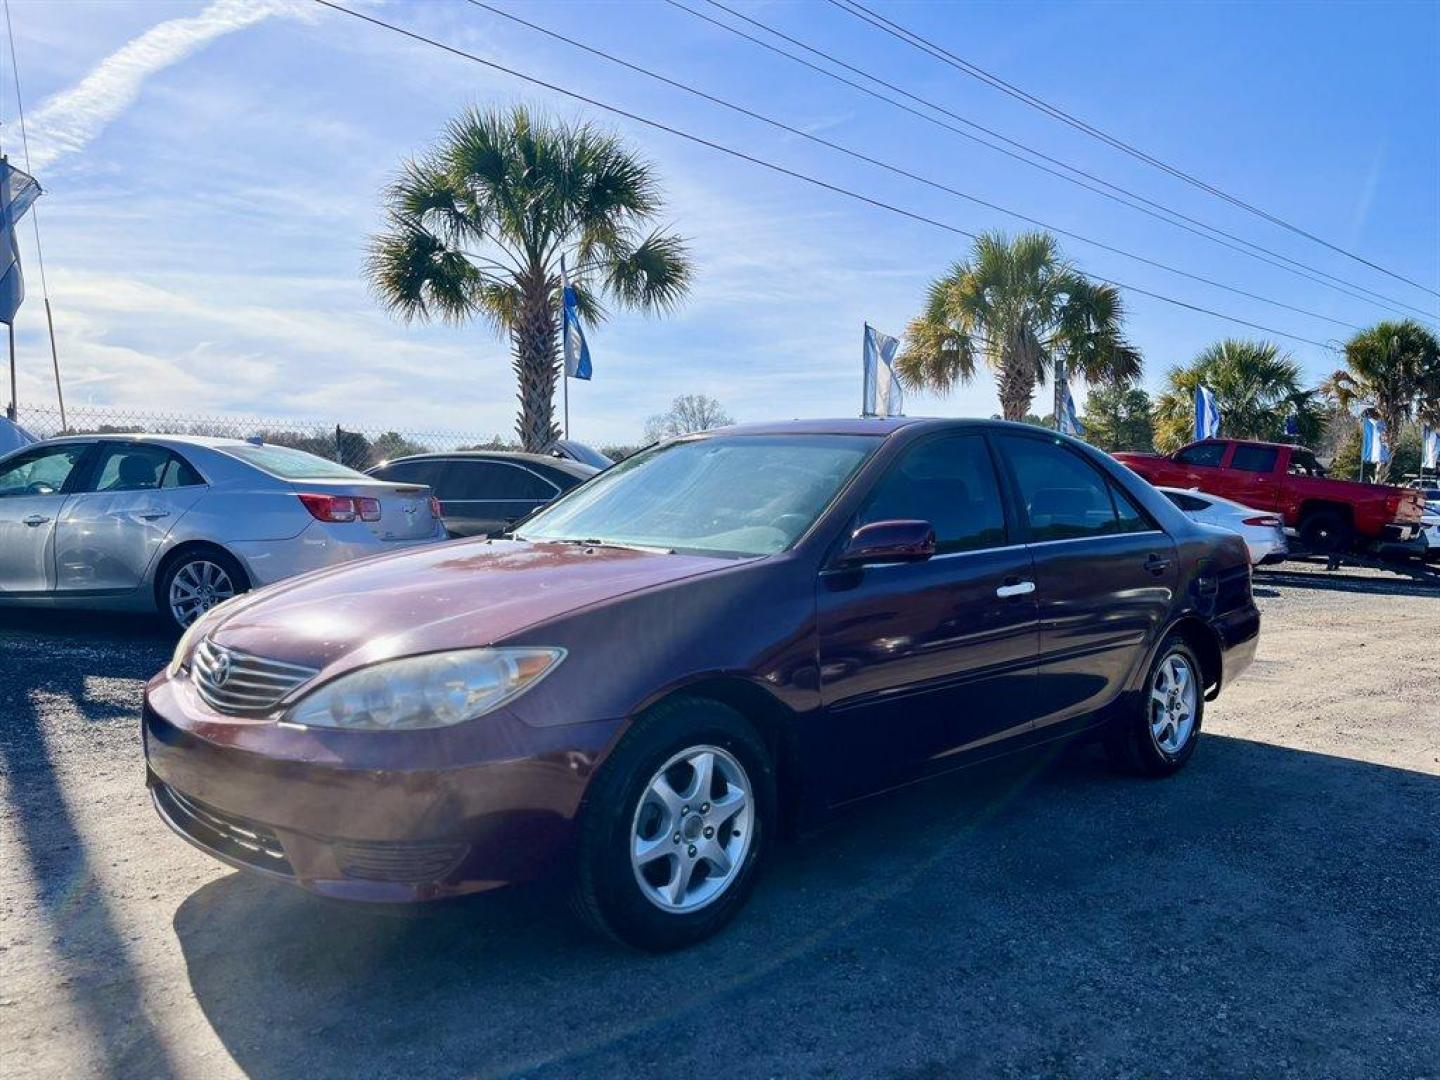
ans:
(727, 495)
(289, 464)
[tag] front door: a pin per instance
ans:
(33, 493)
(923, 663)
(111, 532)
(1105, 575)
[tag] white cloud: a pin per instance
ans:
(67, 121)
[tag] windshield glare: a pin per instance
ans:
(727, 495)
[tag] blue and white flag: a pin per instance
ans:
(17, 191)
(1292, 425)
(883, 395)
(1069, 422)
(1430, 448)
(1373, 450)
(577, 353)
(1207, 414)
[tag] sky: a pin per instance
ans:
(213, 170)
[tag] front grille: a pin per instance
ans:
(239, 684)
(233, 838)
(410, 863)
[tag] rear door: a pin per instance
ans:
(483, 497)
(922, 662)
(1105, 575)
(35, 487)
(1255, 472)
(111, 531)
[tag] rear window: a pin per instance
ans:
(290, 464)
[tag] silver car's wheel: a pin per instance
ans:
(692, 829)
(198, 585)
(1174, 697)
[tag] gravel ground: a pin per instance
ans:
(1272, 911)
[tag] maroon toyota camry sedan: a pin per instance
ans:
(720, 636)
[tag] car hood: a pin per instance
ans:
(447, 596)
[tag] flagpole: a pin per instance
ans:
(565, 377)
(13, 410)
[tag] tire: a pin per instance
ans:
(1326, 532)
(1155, 739)
(215, 574)
(629, 857)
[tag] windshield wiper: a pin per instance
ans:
(593, 542)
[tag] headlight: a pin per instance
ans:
(188, 640)
(430, 691)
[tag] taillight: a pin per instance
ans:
(434, 507)
(1265, 521)
(341, 508)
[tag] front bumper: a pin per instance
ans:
(373, 816)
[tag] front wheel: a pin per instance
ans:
(1158, 734)
(675, 826)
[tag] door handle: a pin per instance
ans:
(1017, 588)
(154, 515)
(1157, 564)
(36, 519)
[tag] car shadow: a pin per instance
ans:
(1266, 911)
(1339, 581)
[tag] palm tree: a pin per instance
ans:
(1027, 312)
(476, 229)
(1257, 388)
(1393, 374)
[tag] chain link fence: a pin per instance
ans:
(357, 447)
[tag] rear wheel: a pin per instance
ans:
(1326, 532)
(195, 582)
(675, 826)
(1158, 734)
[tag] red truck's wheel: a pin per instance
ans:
(1326, 532)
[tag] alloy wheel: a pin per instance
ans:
(1174, 700)
(692, 829)
(197, 587)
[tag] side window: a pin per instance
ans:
(1130, 517)
(180, 473)
(1303, 463)
(130, 467)
(1209, 454)
(1257, 459)
(1062, 495)
(949, 482)
(492, 480)
(427, 471)
(40, 472)
(1188, 503)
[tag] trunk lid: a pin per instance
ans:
(405, 512)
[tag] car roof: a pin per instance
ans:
(214, 442)
(849, 425)
(565, 465)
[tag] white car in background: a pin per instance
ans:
(177, 524)
(1263, 533)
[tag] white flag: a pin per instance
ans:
(883, 394)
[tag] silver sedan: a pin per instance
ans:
(1263, 533)
(179, 523)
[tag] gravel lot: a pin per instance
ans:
(1271, 911)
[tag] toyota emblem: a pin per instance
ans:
(220, 670)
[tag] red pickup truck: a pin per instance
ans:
(1330, 515)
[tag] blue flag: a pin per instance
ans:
(882, 393)
(577, 352)
(1207, 414)
(1373, 450)
(17, 191)
(1430, 448)
(1069, 422)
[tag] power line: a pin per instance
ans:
(772, 166)
(800, 133)
(894, 29)
(1161, 212)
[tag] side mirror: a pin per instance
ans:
(889, 542)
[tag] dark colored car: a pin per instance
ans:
(482, 492)
(718, 635)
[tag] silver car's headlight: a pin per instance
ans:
(430, 691)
